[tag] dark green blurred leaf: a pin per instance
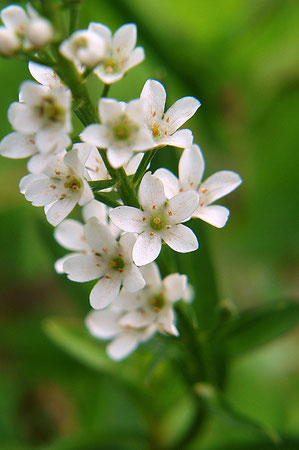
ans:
(218, 405)
(286, 444)
(258, 326)
(75, 340)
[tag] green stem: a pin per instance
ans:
(147, 158)
(74, 16)
(195, 427)
(101, 184)
(105, 90)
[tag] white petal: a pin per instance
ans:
(14, 18)
(181, 206)
(44, 75)
(104, 292)
(146, 248)
(60, 209)
(23, 118)
(191, 167)
(214, 215)
(154, 96)
(136, 110)
(220, 184)
(70, 235)
(99, 237)
(122, 346)
(17, 145)
(108, 78)
(181, 239)
(170, 182)
(175, 285)
(51, 139)
(124, 40)
(151, 275)
(151, 192)
(27, 180)
(133, 164)
(86, 194)
(127, 218)
(103, 324)
(95, 209)
(32, 93)
(133, 281)
(135, 58)
(119, 157)
(38, 163)
(136, 319)
(128, 301)
(127, 241)
(40, 192)
(110, 109)
(165, 322)
(180, 139)
(97, 135)
(143, 140)
(58, 265)
(180, 112)
(84, 267)
(100, 29)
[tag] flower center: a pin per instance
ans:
(73, 184)
(111, 65)
(50, 110)
(117, 263)
(123, 129)
(158, 221)
(157, 302)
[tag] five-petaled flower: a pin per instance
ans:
(122, 130)
(159, 219)
(111, 262)
(121, 54)
(191, 169)
(60, 186)
(164, 126)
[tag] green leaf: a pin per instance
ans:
(258, 326)
(72, 337)
(219, 406)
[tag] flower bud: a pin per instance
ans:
(9, 42)
(84, 47)
(39, 33)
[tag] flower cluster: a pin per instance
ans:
(128, 212)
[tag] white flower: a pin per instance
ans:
(35, 31)
(105, 325)
(44, 75)
(164, 126)
(154, 303)
(70, 232)
(121, 54)
(121, 132)
(112, 264)
(84, 47)
(17, 146)
(191, 169)
(158, 220)
(43, 112)
(60, 187)
(9, 42)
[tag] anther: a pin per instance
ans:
(108, 276)
(154, 207)
(170, 213)
(168, 227)
(53, 186)
(151, 233)
(202, 204)
(167, 120)
(143, 219)
(98, 265)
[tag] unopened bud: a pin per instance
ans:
(9, 42)
(39, 33)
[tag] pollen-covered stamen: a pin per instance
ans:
(73, 184)
(156, 130)
(157, 302)
(117, 263)
(124, 128)
(158, 221)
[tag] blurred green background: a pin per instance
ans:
(240, 59)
